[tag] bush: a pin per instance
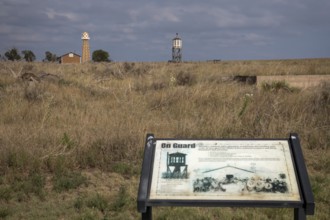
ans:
(23, 186)
(185, 79)
(128, 67)
(121, 200)
(322, 95)
(67, 181)
(4, 212)
(34, 93)
(277, 86)
(125, 169)
(5, 193)
(17, 160)
(99, 202)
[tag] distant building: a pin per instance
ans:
(70, 58)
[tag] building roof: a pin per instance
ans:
(177, 154)
(69, 53)
(237, 168)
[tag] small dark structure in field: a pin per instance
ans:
(246, 79)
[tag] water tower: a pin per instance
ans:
(176, 49)
(85, 48)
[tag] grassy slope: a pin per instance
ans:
(72, 149)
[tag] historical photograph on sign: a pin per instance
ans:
(228, 170)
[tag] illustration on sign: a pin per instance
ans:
(255, 183)
(252, 170)
(176, 166)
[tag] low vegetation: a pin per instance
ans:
(72, 148)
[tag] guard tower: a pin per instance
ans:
(85, 48)
(178, 161)
(176, 49)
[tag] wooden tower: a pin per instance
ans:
(85, 48)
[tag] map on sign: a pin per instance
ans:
(224, 170)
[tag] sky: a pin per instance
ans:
(142, 30)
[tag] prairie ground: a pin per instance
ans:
(72, 141)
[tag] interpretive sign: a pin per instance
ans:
(225, 173)
(227, 170)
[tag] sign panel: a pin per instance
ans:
(224, 170)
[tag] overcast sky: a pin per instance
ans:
(141, 30)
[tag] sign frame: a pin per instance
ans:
(303, 204)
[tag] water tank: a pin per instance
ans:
(85, 36)
(177, 42)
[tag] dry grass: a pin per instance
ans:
(93, 120)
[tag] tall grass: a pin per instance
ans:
(55, 136)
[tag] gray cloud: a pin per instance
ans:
(142, 30)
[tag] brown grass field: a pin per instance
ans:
(71, 145)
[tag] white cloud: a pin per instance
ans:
(52, 14)
(28, 37)
(256, 39)
(164, 14)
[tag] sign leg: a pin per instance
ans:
(148, 214)
(299, 214)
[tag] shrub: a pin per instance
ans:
(67, 141)
(125, 169)
(23, 185)
(277, 86)
(5, 193)
(322, 95)
(37, 184)
(63, 82)
(185, 79)
(99, 202)
(4, 212)
(140, 70)
(18, 160)
(67, 181)
(128, 67)
(158, 85)
(79, 203)
(34, 93)
(121, 200)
